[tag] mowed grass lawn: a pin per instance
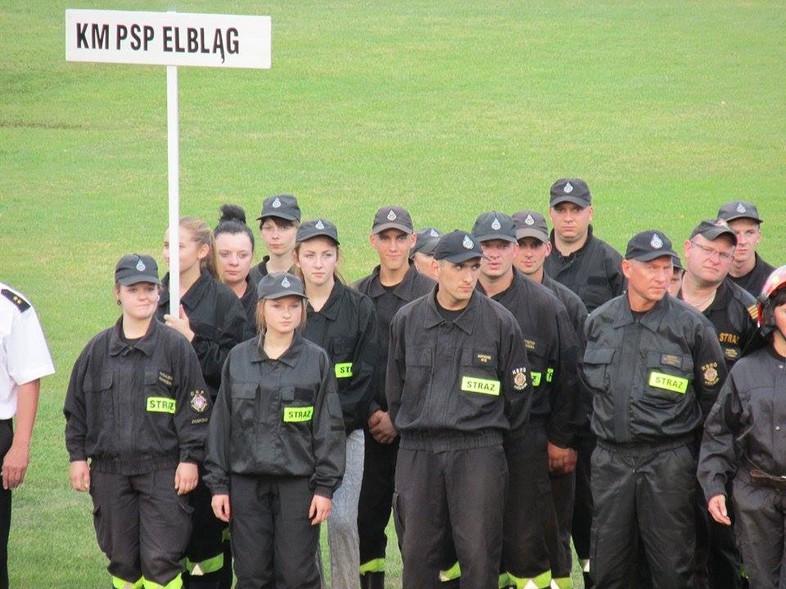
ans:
(666, 108)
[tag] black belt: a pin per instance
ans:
(761, 478)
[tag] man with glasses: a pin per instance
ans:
(747, 270)
(732, 311)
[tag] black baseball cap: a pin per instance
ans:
(316, 228)
(649, 245)
(136, 268)
(739, 209)
(712, 229)
(494, 225)
(280, 284)
(283, 206)
(425, 242)
(531, 224)
(392, 218)
(457, 247)
(573, 190)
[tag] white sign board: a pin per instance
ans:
(168, 38)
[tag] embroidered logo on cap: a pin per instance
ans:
(434, 233)
(495, 224)
(391, 215)
(140, 265)
(656, 242)
(285, 283)
(568, 188)
(467, 243)
(529, 220)
(740, 208)
(319, 224)
(276, 203)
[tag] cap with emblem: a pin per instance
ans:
(531, 224)
(280, 284)
(392, 218)
(457, 247)
(712, 229)
(573, 190)
(136, 268)
(317, 228)
(494, 225)
(649, 245)
(283, 206)
(425, 242)
(739, 209)
(677, 263)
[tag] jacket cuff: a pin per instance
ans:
(324, 492)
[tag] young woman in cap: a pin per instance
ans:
(343, 322)
(276, 444)
(278, 225)
(213, 320)
(137, 408)
(235, 247)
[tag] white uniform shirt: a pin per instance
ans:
(24, 355)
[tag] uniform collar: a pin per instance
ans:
(403, 289)
(332, 305)
(147, 344)
(289, 357)
(574, 254)
(651, 319)
(195, 294)
(465, 321)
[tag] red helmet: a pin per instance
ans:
(773, 284)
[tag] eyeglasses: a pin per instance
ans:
(710, 252)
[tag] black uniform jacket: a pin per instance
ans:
(249, 301)
(733, 313)
(277, 418)
(592, 272)
(651, 379)
(387, 303)
(457, 384)
(552, 351)
(749, 417)
(754, 280)
(218, 320)
(346, 327)
(136, 408)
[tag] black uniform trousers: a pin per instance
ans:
(718, 564)
(563, 489)
(376, 500)
(529, 507)
(141, 524)
(645, 492)
(273, 541)
(206, 545)
(761, 531)
(456, 494)
(583, 508)
(6, 439)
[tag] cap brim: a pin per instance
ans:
(576, 200)
(716, 232)
(281, 294)
(139, 278)
(278, 216)
(539, 235)
(463, 257)
(649, 256)
(735, 216)
(380, 228)
(493, 236)
(318, 234)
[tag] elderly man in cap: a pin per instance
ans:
(458, 385)
(748, 269)
(422, 252)
(391, 285)
(654, 367)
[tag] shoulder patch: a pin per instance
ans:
(753, 312)
(20, 303)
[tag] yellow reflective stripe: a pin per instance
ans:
(562, 583)
(161, 404)
(549, 374)
(298, 414)
(376, 565)
(504, 581)
(485, 386)
(209, 565)
(535, 378)
(450, 574)
(343, 370)
(225, 535)
(668, 382)
(119, 583)
(176, 583)
(542, 581)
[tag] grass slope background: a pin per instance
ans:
(667, 109)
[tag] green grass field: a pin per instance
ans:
(667, 109)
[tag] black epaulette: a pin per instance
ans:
(17, 300)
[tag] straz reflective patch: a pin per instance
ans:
(161, 405)
(298, 414)
(479, 385)
(344, 370)
(667, 382)
(535, 376)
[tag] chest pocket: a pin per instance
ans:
(479, 373)
(342, 352)
(539, 371)
(158, 393)
(244, 404)
(668, 375)
(98, 393)
(297, 405)
(596, 367)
